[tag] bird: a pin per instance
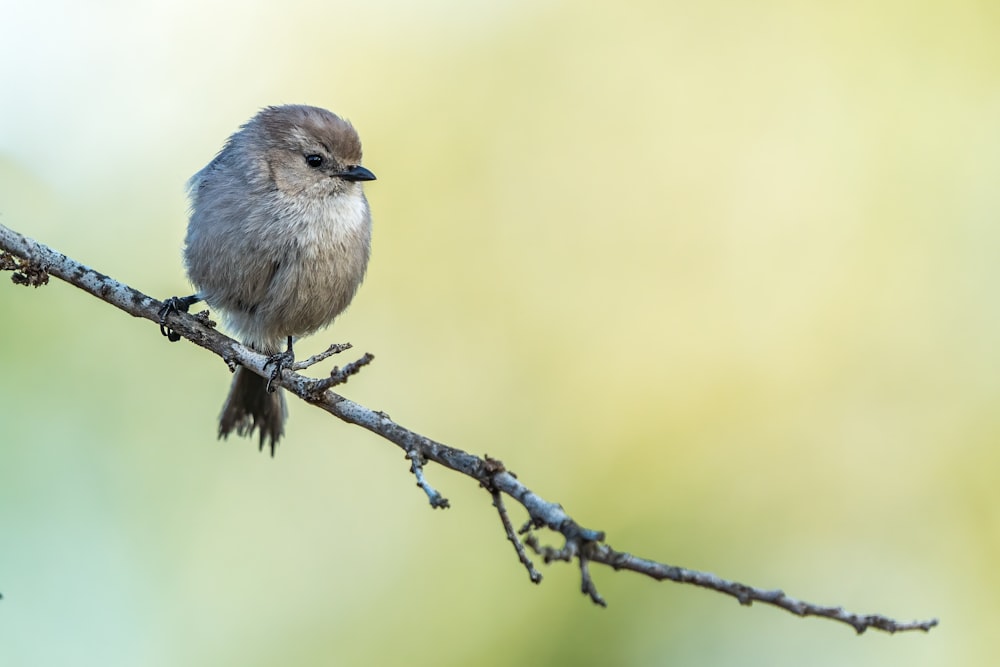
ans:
(278, 243)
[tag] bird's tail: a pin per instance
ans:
(251, 406)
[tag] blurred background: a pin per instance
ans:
(718, 277)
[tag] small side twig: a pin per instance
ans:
(491, 469)
(522, 555)
(417, 468)
(339, 375)
(575, 547)
(336, 348)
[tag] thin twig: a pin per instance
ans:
(747, 595)
(417, 468)
(522, 555)
(587, 585)
(336, 348)
(586, 545)
(341, 375)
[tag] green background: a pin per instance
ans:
(718, 277)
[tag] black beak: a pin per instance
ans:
(356, 173)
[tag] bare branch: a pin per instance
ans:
(32, 263)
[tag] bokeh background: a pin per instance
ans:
(719, 277)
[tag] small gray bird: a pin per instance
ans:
(278, 242)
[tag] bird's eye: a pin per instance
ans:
(314, 161)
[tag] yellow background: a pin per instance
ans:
(718, 277)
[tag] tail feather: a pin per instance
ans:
(250, 406)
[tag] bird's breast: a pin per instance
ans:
(323, 264)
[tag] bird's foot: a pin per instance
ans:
(280, 361)
(172, 305)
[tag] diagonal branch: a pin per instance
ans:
(32, 263)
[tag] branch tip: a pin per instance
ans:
(587, 583)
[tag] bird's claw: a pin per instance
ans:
(280, 361)
(172, 305)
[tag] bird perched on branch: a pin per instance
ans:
(278, 243)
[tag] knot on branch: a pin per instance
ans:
(26, 272)
(489, 469)
(204, 319)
